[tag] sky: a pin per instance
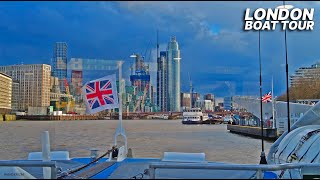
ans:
(219, 55)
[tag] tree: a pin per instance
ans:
(305, 88)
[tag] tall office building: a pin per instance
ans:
(162, 88)
(15, 100)
(210, 97)
(168, 78)
(195, 97)
(185, 100)
(59, 63)
(5, 93)
(173, 58)
(34, 84)
(227, 103)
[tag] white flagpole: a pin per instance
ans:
(120, 94)
(273, 114)
(120, 129)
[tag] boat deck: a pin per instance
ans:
(131, 167)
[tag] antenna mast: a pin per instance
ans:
(190, 91)
(157, 43)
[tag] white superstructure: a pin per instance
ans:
(194, 116)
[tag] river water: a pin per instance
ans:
(147, 138)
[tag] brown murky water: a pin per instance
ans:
(147, 138)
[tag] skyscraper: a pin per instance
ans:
(162, 75)
(59, 63)
(168, 78)
(173, 58)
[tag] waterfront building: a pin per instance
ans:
(204, 105)
(129, 98)
(195, 97)
(173, 75)
(5, 93)
(76, 84)
(218, 101)
(59, 63)
(34, 84)
(209, 97)
(15, 99)
(59, 100)
(306, 74)
(54, 84)
(162, 85)
(185, 100)
(92, 68)
(227, 103)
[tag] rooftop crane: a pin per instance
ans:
(142, 99)
(144, 95)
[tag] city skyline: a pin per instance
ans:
(226, 57)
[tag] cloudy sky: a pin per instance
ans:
(220, 57)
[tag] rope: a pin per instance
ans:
(65, 174)
(135, 177)
(145, 172)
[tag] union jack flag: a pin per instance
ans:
(101, 94)
(267, 97)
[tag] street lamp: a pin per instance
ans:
(287, 71)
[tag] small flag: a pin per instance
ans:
(267, 97)
(101, 94)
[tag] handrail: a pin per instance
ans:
(256, 167)
(33, 163)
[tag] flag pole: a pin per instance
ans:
(120, 94)
(120, 130)
(273, 113)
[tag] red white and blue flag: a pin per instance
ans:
(101, 94)
(267, 98)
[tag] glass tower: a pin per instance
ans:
(162, 76)
(59, 63)
(173, 75)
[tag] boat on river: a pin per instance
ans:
(194, 116)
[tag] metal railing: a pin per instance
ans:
(254, 167)
(30, 163)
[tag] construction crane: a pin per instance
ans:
(144, 94)
(141, 99)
